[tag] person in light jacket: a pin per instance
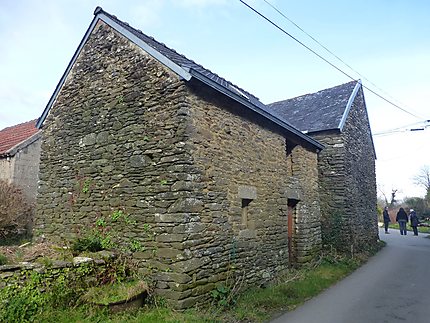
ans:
(386, 219)
(402, 219)
(414, 221)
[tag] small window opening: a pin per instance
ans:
(245, 211)
(289, 147)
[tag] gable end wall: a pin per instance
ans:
(348, 183)
(361, 178)
(114, 140)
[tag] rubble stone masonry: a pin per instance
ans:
(348, 183)
(206, 180)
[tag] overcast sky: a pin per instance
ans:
(386, 41)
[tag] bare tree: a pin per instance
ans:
(392, 202)
(423, 178)
(384, 196)
(393, 197)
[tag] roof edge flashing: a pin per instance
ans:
(349, 105)
(179, 70)
(99, 14)
(63, 78)
(97, 10)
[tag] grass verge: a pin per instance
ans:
(254, 305)
(395, 226)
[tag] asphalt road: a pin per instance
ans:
(393, 286)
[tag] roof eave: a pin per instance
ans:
(25, 143)
(296, 133)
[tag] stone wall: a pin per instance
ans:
(243, 186)
(348, 183)
(18, 274)
(307, 237)
(335, 227)
(206, 182)
(361, 178)
(115, 141)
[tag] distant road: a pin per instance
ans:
(394, 286)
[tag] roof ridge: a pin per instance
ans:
(20, 124)
(313, 93)
(100, 10)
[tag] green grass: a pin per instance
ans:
(261, 304)
(395, 226)
(112, 293)
(255, 305)
(3, 259)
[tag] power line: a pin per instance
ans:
(325, 60)
(417, 126)
(328, 50)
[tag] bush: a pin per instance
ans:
(3, 259)
(15, 211)
(90, 243)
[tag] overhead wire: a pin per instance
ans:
(417, 126)
(326, 60)
(329, 51)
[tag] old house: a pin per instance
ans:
(19, 157)
(337, 117)
(217, 185)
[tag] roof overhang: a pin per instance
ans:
(25, 143)
(233, 95)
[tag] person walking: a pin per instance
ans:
(386, 219)
(414, 221)
(402, 219)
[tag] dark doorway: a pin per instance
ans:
(292, 257)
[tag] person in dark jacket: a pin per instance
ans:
(386, 219)
(414, 221)
(402, 219)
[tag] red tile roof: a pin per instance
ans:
(12, 136)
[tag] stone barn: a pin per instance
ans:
(221, 185)
(337, 117)
(19, 157)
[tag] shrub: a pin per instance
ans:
(15, 211)
(91, 243)
(3, 259)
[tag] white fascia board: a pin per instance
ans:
(151, 51)
(349, 105)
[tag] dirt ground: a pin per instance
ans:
(30, 252)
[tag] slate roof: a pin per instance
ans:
(12, 137)
(179, 59)
(323, 110)
(187, 69)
